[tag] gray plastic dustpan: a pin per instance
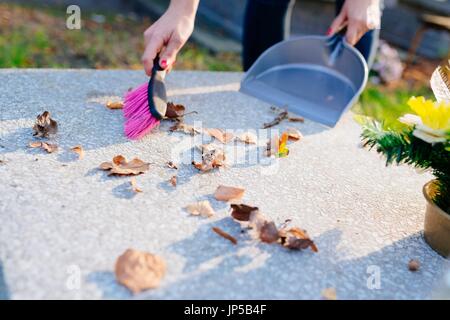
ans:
(313, 76)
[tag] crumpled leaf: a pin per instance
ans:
(212, 157)
(248, 138)
(114, 105)
(185, 128)
(294, 134)
(268, 232)
(139, 270)
(134, 186)
(220, 135)
(296, 239)
(242, 212)
(201, 208)
(413, 265)
(49, 147)
(226, 193)
(225, 235)
(44, 125)
(172, 165)
(121, 167)
(173, 181)
(78, 150)
(174, 111)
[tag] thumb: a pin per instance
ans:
(169, 53)
(337, 24)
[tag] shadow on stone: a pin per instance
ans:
(4, 290)
(106, 282)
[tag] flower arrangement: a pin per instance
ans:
(423, 141)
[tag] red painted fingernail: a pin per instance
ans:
(329, 31)
(163, 64)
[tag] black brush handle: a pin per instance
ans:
(156, 88)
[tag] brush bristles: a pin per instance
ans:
(138, 119)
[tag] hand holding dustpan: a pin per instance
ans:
(314, 76)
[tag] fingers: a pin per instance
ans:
(169, 53)
(355, 31)
(337, 23)
(154, 43)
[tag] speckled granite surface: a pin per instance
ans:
(63, 223)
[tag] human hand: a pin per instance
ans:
(359, 16)
(169, 33)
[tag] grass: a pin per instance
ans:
(36, 37)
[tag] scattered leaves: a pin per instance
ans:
(134, 186)
(212, 157)
(220, 135)
(173, 181)
(79, 151)
(201, 208)
(44, 125)
(139, 270)
(248, 138)
(225, 193)
(329, 294)
(121, 167)
(296, 119)
(113, 105)
(225, 235)
(175, 111)
(268, 232)
(185, 128)
(49, 147)
(413, 265)
(242, 212)
(172, 165)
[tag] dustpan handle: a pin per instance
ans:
(336, 44)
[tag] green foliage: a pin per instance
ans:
(402, 147)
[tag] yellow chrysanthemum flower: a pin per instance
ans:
(435, 115)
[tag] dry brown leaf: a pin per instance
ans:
(44, 125)
(329, 294)
(134, 186)
(294, 134)
(225, 193)
(114, 105)
(173, 181)
(172, 165)
(296, 119)
(268, 232)
(175, 111)
(220, 135)
(201, 208)
(413, 265)
(49, 147)
(121, 167)
(78, 150)
(185, 128)
(296, 239)
(139, 270)
(212, 157)
(242, 212)
(225, 235)
(248, 138)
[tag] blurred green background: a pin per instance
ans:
(35, 36)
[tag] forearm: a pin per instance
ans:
(187, 7)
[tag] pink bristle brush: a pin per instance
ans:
(145, 106)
